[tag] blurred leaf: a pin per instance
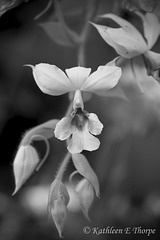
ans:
(58, 34)
(137, 5)
(6, 5)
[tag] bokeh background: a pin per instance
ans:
(127, 163)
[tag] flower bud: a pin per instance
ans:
(85, 192)
(58, 212)
(24, 164)
(57, 201)
(83, 167)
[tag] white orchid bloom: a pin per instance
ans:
(80, 125)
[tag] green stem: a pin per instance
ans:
(47, 150)
(63, 166)
(92, 9)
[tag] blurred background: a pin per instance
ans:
(128, 161)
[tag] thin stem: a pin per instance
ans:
(135, 76)
(63, 166)
(37, 131)
(92, 9)
(71, 177)
(44, 10)
(47, 150)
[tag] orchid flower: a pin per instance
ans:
(129, 42)
(79, 126)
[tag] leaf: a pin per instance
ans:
(83, 167)
(6, 5)
(137, 5)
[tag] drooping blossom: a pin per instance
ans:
(128, 42)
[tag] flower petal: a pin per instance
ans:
(106, 77)
(82, 140)
(94, 125)
(51, 80)
(85, 194)
(63, 129)
(125, 43)
(113, 63)
(127, 26)
(83, 167)
(24, 165)
(58, 213)
(78, 76)
(90, 143)
(76, 142)
(151, 28)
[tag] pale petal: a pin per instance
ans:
(94, 125)
(127, 26)
(82, 140)
(76, 142)
(113, 62)
(78, 76)
(106, 77)
(125, 43)
(83, 167)
(90, 143)
(24, 165)
(58, 213)
(51, 80)
(63, 129)
(85, 194)
(151, 28)
(121, 50)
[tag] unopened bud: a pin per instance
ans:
(83, 167)
(58, 212)
(85, 192)
(24, 164)
(57, 201)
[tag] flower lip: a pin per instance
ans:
(79, 129)
(79, 118)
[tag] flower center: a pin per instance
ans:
(79, 118)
